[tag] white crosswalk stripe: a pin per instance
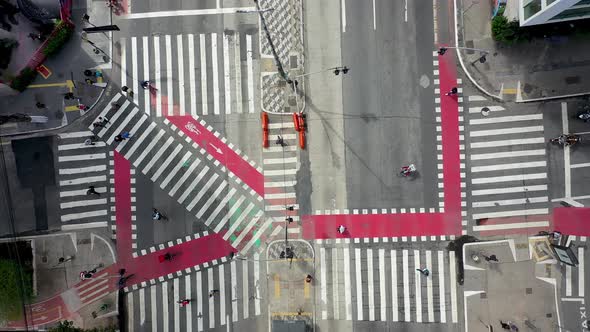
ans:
(192, 177)
(150, 307)
(224, 63)
(379, 285)
(82, 166)
(506, 158)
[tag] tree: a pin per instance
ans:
(504, 31)
(16, 287)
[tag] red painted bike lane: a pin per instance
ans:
(410, 224)
(197, 130)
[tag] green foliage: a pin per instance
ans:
(23, 79)
(504, 31)
(14, 290)
(68, 326)
(6, 46)
(62, 33)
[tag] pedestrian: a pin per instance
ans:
(127, 90)
(103, 120)
(82, 107)
(290, 208)
(68, 95)
(126, 134)
(35, 36)
(183, 302)
(88, 81)
(89, 141)
(425, 272)
(289, 220)
(280, 141)
(40, 105)
(491, 258)
(212, 292)
(513, 327)
(308, 279)
(115, 106)
(341, 229)
(504, 325)
(453, 91)
(157, 215)
(119, 138)
(92, 191)
(98, 124)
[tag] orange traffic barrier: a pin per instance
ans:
(265, 138)
(301, 119)
(264, 119)
(296, 121)
(302, 139)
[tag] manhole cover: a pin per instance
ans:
(485, 111)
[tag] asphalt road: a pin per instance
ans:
(388, 104)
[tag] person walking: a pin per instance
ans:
(490, 258)
(183, 302)
(308, 278)
(103, 120)
(40, 105)
(453, 91)
(280, 141)
(128, 91)
(504, 326)
(126, 135)
(119, 138)
(425, 272)
(157, 215)
(92, 191)
(98, 124)
(89, 141)
(212, 292)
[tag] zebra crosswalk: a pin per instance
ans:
(238, 296)
(505, 152)
(82, 166)
(219, 79)
(382, 284)
(188, 173)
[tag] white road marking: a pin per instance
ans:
(210, 287)
(167, 162)
(508, 154)
(148, 149)
(123, 124)
(566, 153)
(88, 179)
(235, 206)
(238, 71)
(222, 315)
(87, 225)
(215, 69)
(245, 287)
(137, 141)
(176, 296)
(169, 75)
(135, 129)
(184, 177)
(508, 190)
(429, 290)
(441, 287)
(175, 170)
(503, 167)
(509, 178)
(513, 213)
(343, 11)
(250, 67)
(335, 283)
(81, 145)
(130, 321)
(154, 309)
(165, 313)
(276, 161)
(203, 49)
(82, 157)
(82, 170)
(580, 165)
(257, 283)
(418, 278)
(181, 57)
(406, 282)
(581, 272)
(158, 75)
(491, 108)
(374, 17)
(394, 283)
(221, 205)
(532, 224)
(81, 192)
(87, 202)
(371, 284)
(359, 283)
(190, 12)
(191, 73)
(142, 306)
(238, 221)
(347, 284)
(234, 291)
(134, 74)
(505, 202)
(123, 62)
(76, 134)
(146, 74)
(192, 186)
(211, 199)
(199, 290)
(406, 10)
(323, 290)
(503, 119)
(188, 309)
(248, 230)
(382, 294)
(505, 131)
(226, 74)
(568, 280)
(508, 142)
(454, 314)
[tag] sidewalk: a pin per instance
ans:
(550, 68)
(65, 73)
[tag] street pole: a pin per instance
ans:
(442, 50)
(272, 46)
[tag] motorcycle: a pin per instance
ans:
(409, 170)
(566, 140)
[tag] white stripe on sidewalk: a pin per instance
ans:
(512, 213)
(158, 76)
(191, 73)
(221, 205)
(519, 225)
(508, 142)
(580, 165)
(323, 290)
(122, 112)
(371, 284)
(226, 74)
(193, 184)
(203, 50)
(238, 221)
(394, 283)
(249, 61)
(123, 124)
(441, 287)
(280, 172)
(146, 74)
(280, 196)
(508, 178)
(130, 322)
(137, 141)
(169, 80)
(275, 161)
(181, 57)
(234, 207)
(359, 283)
(505, 131)
(515, 201)
(347, 284)
(503, 119)
(406, 282)
(215, 69)
(508, 154)
(503, 167)
(418, 285)
(238, 71)
(154, 309)
(81, 170)
(211, 199)
(382, 294)
(518, 189)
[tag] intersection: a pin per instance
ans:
(246, 224)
